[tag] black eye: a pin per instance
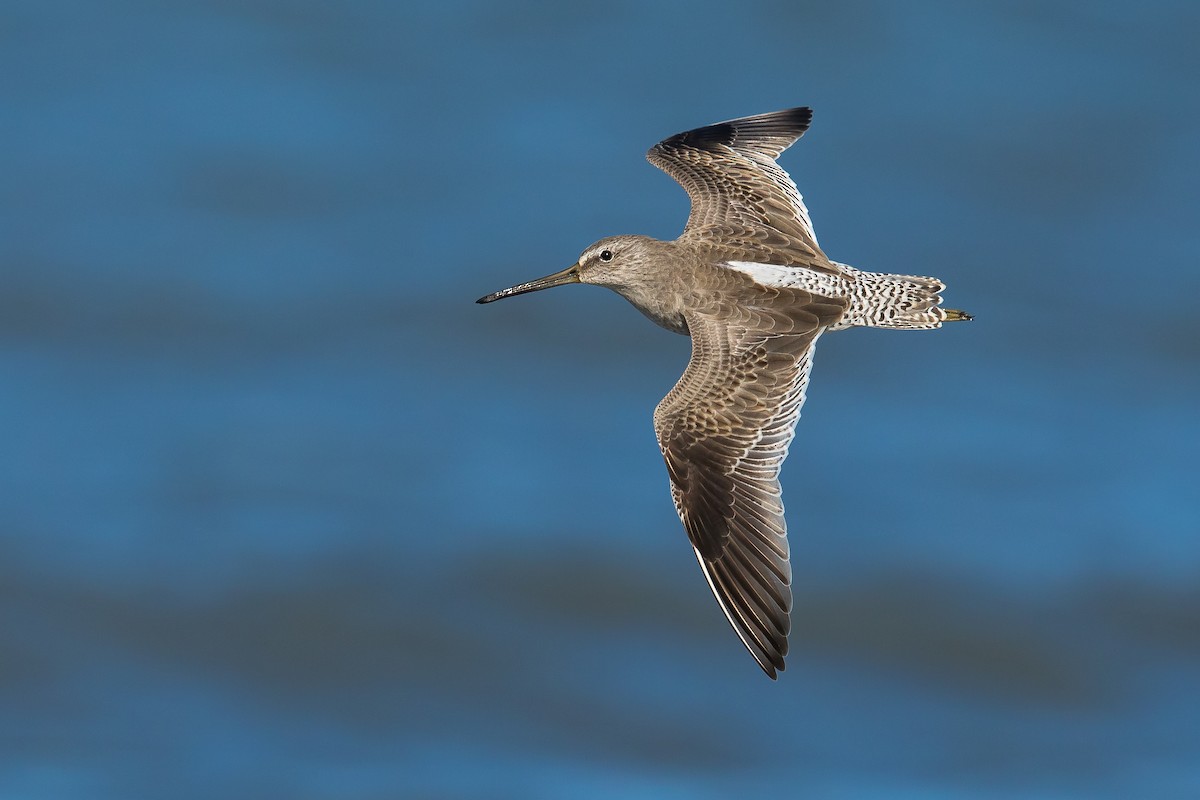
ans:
(606, 255)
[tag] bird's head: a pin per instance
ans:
(615, 262)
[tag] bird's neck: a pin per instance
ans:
(658, 287)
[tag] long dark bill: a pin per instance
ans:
(568, 275)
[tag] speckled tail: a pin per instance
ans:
(905, 302)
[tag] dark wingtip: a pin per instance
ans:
(793, 121)
(707, 138)
(797, 119)
(772, 665)
(802, 115)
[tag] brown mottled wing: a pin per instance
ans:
(742, 199)
(724, 431)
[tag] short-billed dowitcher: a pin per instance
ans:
(748, 282)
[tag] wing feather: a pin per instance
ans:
(742, 201)
(724, 431)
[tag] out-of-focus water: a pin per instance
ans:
(284, 514)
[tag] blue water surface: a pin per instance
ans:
(283, 513)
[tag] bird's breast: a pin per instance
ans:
(663, 305)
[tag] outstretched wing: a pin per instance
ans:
(724, 431)
(739, 194)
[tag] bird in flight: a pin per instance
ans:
(748, 282)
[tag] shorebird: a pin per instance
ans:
(748, 282)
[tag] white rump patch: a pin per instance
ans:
(821, 283)
(767, 274)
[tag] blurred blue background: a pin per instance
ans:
(284, 514)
